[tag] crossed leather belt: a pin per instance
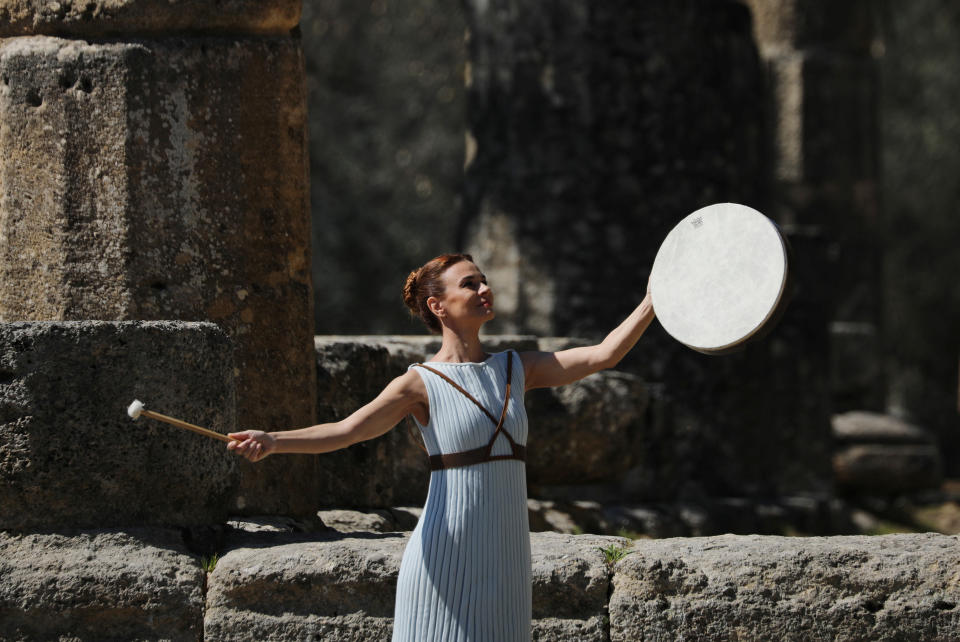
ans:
(481, 454)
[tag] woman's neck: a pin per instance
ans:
(460, 348)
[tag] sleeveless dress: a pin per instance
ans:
(465, 574)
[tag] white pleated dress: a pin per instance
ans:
(465, 574)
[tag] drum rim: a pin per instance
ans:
(775, 311)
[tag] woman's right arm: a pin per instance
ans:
(403, 396)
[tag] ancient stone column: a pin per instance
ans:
(593, 129)
(824, 154)
(153, 165)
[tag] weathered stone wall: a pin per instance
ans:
(280, 586)
(69, 454)
(157, 169)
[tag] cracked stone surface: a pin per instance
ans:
(780, 588)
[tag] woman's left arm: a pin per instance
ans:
(548, 369)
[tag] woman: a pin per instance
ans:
(465, 574)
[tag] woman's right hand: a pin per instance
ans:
(252, 444)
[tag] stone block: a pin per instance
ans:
(166, 179)
(100, 585)
(882, 454)
(327, 588)
(571, 583)
(69, 454)
(590, 431)
(609, 429)
(372, 520)
(874, 428)
(382, 472)
(335, 587)
(777, 588)
(887, 468)
(100, 18)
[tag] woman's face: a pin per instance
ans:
(466, 295)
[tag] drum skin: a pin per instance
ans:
(721, 278)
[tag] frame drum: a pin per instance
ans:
(721, 278)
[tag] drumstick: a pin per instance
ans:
(136, 409)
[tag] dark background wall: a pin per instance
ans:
(385, 89)
(921, 191)
(388, 116)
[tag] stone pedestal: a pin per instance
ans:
(147, 175)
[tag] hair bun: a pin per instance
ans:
(410, 292)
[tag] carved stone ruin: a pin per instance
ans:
(157, 169)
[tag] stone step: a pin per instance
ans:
(342, 587)
(145, 584)
(752, 587)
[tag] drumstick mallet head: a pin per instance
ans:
(137, 410)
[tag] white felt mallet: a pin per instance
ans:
(136, 410)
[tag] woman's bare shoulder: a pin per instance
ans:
(410, 383)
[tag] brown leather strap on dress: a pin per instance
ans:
(475, 456)
(462, 391)
(503, 414)
(481, 454)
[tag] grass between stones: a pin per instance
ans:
(613, 553)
